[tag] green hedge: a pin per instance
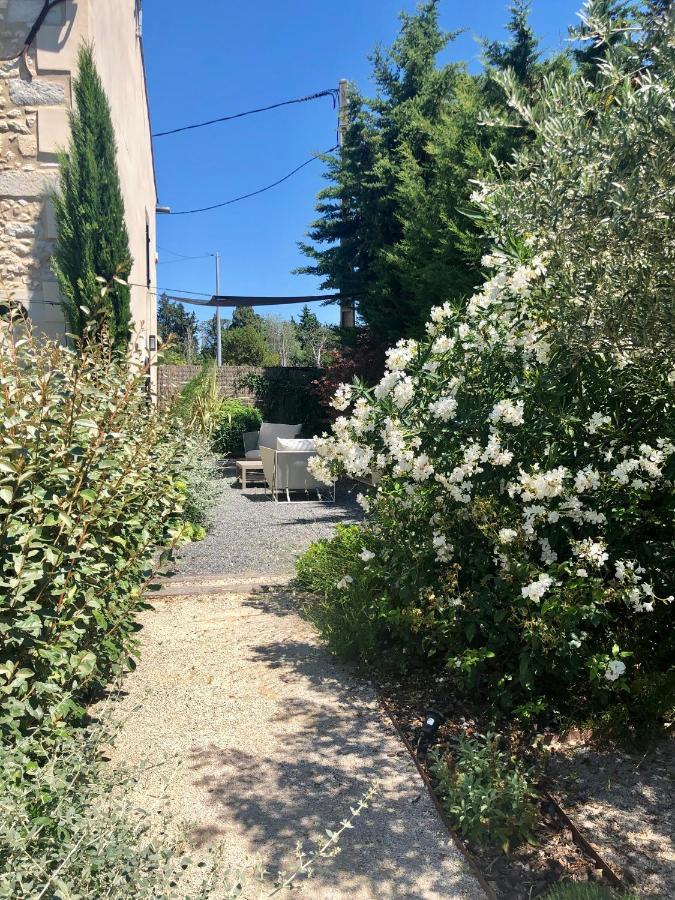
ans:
(91, 483)
(234, 418)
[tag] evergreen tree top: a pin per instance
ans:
(520, 51)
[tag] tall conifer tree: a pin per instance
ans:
(391, 231)
(92, 241)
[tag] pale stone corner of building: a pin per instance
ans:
(34, 126)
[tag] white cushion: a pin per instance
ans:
(295, 444)
(270, 431)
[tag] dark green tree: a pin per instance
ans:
(520, 51)
(243, 316)
(92, 241)
(314, 338)
(174, 320)
(244, 345)
(391, 228)
(389, 231)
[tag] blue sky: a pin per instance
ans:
(209, 58)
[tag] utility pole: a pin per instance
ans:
(219, 349)
(347, 311)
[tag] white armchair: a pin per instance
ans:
(285, 468)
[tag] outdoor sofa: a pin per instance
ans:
(267, 437)
(285, 468)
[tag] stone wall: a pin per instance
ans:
(33, 126)
(172, 378)
(35, 100)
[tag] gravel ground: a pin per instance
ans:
(276, 741)
(254, 534)
(623, 802)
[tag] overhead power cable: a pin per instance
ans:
(330, 92)
(169, 262)
(189, 212)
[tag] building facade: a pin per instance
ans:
(35, 98)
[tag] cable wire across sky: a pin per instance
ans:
(329, 92)
(189, 212)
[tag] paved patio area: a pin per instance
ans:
(252, 534)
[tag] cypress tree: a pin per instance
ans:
(92, 241)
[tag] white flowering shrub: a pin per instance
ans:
(529, 532)
(522, 521)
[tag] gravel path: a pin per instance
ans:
(277, 740)
(254, 534)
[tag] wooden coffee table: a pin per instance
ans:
(249, 465)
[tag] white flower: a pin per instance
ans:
(403, 392)
(344, 583)
(507, 535)
(441, 313)
(443, 549)
(342, 398)
(574, 642)
(494, 452)
(442, 344)
(386, 385)
(594, 552)
(367, 555)
(548, 554)
(364, 502)
(521, 278)
(671, 377)
(421, 468)
(582, 573)
(596, 422)
(536, 590)
(615, 669)
(587, 479)
(509, 412)
(399, 356)
(541, 484)
(320, 469)
(444, 409)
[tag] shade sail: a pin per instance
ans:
(233, 300)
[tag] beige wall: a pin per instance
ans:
(34, 108)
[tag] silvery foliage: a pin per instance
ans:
(596, 189)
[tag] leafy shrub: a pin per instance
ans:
(285, 394)
(202, 485)
(352, 604)
(524, 453)
(67, 826)
(347, 618)
(234, 418)
(206, 405)
(90, 486)
(486, 793)
(183, 404)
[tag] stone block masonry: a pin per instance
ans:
(172, 378)
(35, 103)
(27, 175)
